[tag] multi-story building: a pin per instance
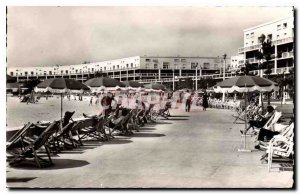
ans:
(281, 34)
(141, 68)
(236, 62)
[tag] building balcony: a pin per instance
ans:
(287, 55)
(278, 71)
(256, 47)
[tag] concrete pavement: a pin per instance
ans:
(191, 150)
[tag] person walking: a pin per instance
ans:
(205, 101)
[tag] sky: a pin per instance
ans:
(48, 36)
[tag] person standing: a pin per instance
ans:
(188, 98)
(205, 101)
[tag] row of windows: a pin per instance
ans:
(283, 26)
(156, 60)
(269, 37)
(166, 65)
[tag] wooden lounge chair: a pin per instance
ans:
(31, 151)
(15, 143)
(280, 148)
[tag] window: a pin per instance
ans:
(205, 65)
(277, 36)
(147, 65)
(176, 60)
(113, 67)
(252, 42)
(67, 71)
(50, 72)
(155, 66)
(194, 65)
(131, 65)
(279, 27)
(183, 66)
(45, 73)
(12, 73)
(247, 36)
(155, 60)
(26, 72)
(183, 60)
(147, 60)
(127, 65)
(117, 66)
(61, 71)
(285, 34)
(284, 25)
(92, 69)
(32, 73)
(252, 34)
(175, 66)
(104, 68)
(165, 65)
(20, 74)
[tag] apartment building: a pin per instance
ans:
(281, 34)
(141, 68)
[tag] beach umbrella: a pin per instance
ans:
(10, 79)
(61, 86)
(12, 86)
(244, 84)
(103, 83)
(155, 87)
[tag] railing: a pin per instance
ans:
(284, 40)
(278, 71)
(254, 47)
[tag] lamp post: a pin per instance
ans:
(196, 84)
(173, 80)
(224, 65)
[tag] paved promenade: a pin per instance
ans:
(191, 150)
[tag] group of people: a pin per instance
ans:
(108, 100)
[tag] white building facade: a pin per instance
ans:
(236, 62)
(131, 68)
(281, 33)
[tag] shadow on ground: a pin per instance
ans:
(175, 119)
(159, 123)
(147, 129)
(148, 135)
(19, 179)
(58, 164)
(117, 141)
(179, 116)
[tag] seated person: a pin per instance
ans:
(115, 121)
(265, 135)
(261, 121)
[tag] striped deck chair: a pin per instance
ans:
(34, 145)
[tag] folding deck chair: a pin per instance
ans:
(31, 151)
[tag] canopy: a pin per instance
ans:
(245, 84)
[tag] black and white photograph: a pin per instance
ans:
(147, 97)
